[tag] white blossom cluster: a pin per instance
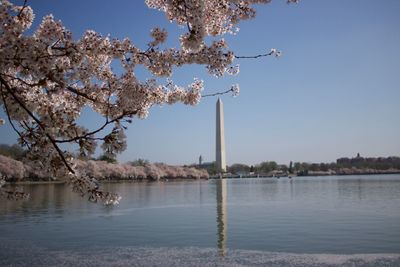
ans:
(48, 77)
(205, 17)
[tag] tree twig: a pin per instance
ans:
(257, 56)
(19, 101)
(218, 93)
(9, 119)
(23, 7)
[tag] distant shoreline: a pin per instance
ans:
(355, 173)
(191, 179)
(303, 175)
(105, 181)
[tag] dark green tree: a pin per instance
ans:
(107, 157)
(291, 167)
(239, 168)
(251, 168)
(139, 162)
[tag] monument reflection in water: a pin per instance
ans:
(222, 227)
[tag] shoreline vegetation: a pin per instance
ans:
(225, 176)
(343, 166)
(16, 167)
(15, 171)
(310, 174)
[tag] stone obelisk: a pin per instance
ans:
(220, 142)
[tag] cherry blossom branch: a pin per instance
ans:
(16, 195)
(186, 15)
(29, 129)
(89, 134)
(19, 79)
(10, 121)
(38, 73)
(60, 153)
(77, 92)
(79, 183)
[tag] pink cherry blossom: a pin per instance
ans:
(48, 78)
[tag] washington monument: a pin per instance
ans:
(220, 141)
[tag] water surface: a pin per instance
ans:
(339, 220)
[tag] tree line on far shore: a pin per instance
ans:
(342, 166)
(14, 166)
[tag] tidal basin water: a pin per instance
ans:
(304, 221)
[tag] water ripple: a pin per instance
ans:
(186, 256)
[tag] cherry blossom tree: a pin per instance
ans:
(14, 170)
(48, 77)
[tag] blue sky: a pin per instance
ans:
(335, 92)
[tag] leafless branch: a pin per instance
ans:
(218, 93)
(23, 7)
(257, 56)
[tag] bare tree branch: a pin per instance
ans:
(23, 7)
(273, 52)
(218, 93)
